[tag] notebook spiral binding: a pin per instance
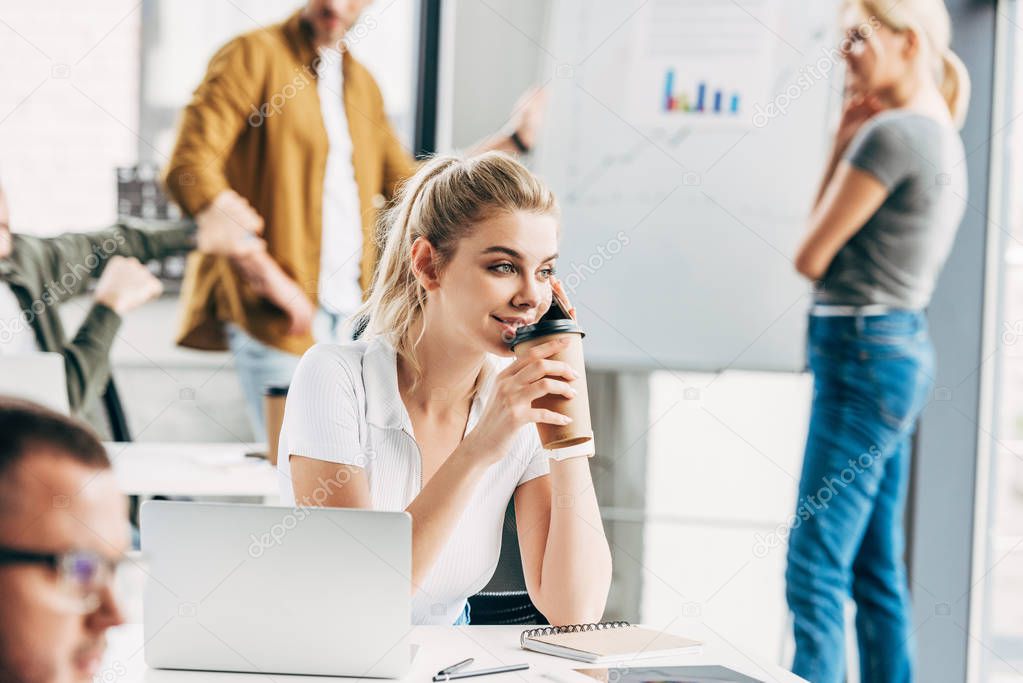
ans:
(573, 628)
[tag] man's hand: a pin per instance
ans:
(287, 295)
(527, 115)
(126, 284)
(525, 121)
(299, 308)
(269, 281)
(229, 226)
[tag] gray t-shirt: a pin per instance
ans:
(896, 257)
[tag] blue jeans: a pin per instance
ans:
(259, 365)
(872, 376)
(463, 618)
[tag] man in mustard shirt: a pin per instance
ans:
(287, 134)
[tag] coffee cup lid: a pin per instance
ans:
(545, 328)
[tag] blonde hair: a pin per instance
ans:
(930, 20)
(441, 203)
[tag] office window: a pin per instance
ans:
(998, 581)
(90, 87)
(68, 110)
(180, 36)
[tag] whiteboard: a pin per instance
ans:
(684, 196)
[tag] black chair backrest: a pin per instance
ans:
(115, 413)
(504, 600)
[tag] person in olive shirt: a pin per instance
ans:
(37, 274)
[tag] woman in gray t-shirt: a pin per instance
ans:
(881, 229)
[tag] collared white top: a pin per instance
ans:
(344, 406)
(341, 237)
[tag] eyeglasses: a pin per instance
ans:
(856, 34)
(855, 38)
(82, 574)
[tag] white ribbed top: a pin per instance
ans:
(344, 407)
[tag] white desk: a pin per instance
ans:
(223, 470)
(192, 469)
(440, 646)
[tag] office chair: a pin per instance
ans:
(504, 600)
(116, 417)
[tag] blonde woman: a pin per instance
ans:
(427, 412)
(884, 222)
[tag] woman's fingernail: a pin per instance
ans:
(565, 419)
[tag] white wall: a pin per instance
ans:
(492, 55)
(68, 109)
(722, 472)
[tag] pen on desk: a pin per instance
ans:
(455, 667)
(556, 677)
(480, 672)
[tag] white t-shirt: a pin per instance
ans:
(16, 335)
(343, 406)
(341, 240)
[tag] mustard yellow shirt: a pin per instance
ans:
(254, 125)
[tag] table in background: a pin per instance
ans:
(194, 470)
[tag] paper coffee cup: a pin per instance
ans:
(274, 398)
(580, 430)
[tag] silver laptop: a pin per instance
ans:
(280, 590)
(38, 377)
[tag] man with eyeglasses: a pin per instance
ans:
(63, 531)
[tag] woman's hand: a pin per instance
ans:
(530, 377)
(562, 297)
(857, 110)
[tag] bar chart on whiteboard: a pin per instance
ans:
(684, 140)
(702, 60)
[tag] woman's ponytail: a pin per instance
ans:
(955, 86)
(930, 20)
(395, 298)
(441, 203)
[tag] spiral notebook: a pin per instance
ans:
(606, 642)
